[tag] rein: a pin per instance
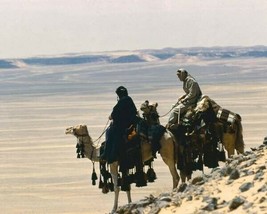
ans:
(98, 139)
(104, 131)
(169, 111)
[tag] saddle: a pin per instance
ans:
(131, 167)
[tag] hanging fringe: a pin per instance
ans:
(80, 148)
(151, 175)
(94, 176)
(101, 184)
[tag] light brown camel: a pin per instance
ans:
(92, 152)
(227, 124)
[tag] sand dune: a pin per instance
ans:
(39, 172)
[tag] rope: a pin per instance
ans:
(169, 111)
(105, 128)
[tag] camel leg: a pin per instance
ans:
(175, 176)
(129, 196)
(174, 173)
(183, 176)
(228, 142)
(114, 175)
(167, 153)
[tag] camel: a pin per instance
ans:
(92, 152)
(227, 124)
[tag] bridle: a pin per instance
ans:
(80, 142)
(79, 145)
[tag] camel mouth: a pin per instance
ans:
(69, 130)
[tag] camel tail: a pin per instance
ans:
(239, 145)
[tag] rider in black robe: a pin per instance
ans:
(123, 116)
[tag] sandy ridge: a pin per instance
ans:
(239, 186)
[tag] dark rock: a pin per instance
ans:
(197, 180)
(182, 187)
(258, 175)
(167, 199)
(234, 174)
(248, 153)
(212, 204)
(263, 146)
(227, 170)
(223, 172)
(246, 172)
(229, 182)
(263, 188)
(236, 202)
(154, 210)
(247, 205)
(249, 162)
(262, 199)
(262, 168)
(189, 198)
(199, 191)
(246, 186)
(222, 204)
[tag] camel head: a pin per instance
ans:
(147, 108)
(150, 112)
(85, 146)
(79, 130)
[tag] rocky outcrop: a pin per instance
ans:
(240, 185)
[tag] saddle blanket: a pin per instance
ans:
(226, 116)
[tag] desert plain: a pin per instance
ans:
(39, 171)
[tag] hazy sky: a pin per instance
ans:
(45, 27)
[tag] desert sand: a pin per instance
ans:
(39, 171)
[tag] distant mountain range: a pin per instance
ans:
(146, 55)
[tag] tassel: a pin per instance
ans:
(101, 184)
(140, 179)
(111, 186)
(105, 189)
(78, 150)
(94, 176)
(93, 182)
(151, 175)
(82, 148)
